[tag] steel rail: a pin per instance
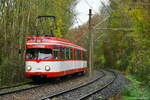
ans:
(99, 89)
(18, 90)
(58, 93)
(17, 85)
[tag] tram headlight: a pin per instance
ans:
(47, 68)
(28, 68)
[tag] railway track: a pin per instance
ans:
(8, 90)
(80, 92)
(6, 87)
(83, 91)
(18, 88)
(99, 89)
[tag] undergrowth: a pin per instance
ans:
(136, 90)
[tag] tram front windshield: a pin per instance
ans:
(39, 54)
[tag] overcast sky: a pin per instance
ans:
(82, 10)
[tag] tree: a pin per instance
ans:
(17, 21)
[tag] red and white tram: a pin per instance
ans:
(53, 57)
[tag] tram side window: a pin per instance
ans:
(70, 53)
(75, 51)
(77, 54)
(81, 53)
(84, 56)
(56, 50)
(67, 53)
(62, 52)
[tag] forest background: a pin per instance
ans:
(17, 22)
(121, 33)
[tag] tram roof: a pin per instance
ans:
(44, 40)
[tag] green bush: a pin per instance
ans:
(135, 91)
(10, 72)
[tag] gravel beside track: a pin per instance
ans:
(52, 87)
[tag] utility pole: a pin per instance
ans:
(90, 43)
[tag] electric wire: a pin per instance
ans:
(90, 6)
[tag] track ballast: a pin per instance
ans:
(82, 91)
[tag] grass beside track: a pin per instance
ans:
(15, 84)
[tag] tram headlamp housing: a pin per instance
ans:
(47, 68)
(28, 68)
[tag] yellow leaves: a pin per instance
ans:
(59, 28)
(138, 14)
(119, 62)
(58, 32)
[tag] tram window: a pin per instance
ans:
(62, 52)
(77, 54)
(84, 56)
(65, 53)
(70, 53)
(45, 54)
(67, 50)
(39, 54)
(31, 54)
(55, 51)
(81, 53)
